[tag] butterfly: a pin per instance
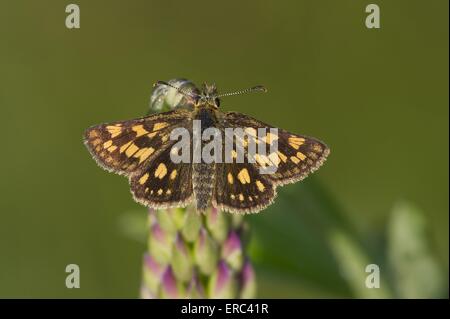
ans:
(142, 149)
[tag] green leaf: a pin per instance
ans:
(352, 264)
(416, 272)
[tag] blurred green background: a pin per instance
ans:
(378, 98)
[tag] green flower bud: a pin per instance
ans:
(236, 220)
(160, 244)
(170, 287)
(195, 289)
(146, 293)
(191, 225)
(205, 253)
(165, 221)
(222, 283)
(152, 273)
(248, 281)
(178, 216)
(218, 224)
(181, 260)
(232, 251)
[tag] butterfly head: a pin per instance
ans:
(209, 96)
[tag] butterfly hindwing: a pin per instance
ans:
(241, 188)
(163, 183)
(123, 147)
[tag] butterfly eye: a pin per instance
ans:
(217, 101)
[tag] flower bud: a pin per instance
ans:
(160, 244)
(195, 289)
(237, 220)
(146, 293)
(222, 283)
(218, 224)
(191, 225)
(165, 221)
(205, 252)
(181, 260)
(178, 216)
(248, 281)
(152, 273)
(232, 251)
(170, 287)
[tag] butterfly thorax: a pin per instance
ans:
(203, 174)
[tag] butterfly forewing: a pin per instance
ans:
(124, 147)
(295, 156)
(299, 156)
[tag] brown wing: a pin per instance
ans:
(123, 147)
(297, 155)
(141, 149)
(243, 187)
(163, 183)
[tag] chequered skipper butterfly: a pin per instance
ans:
(140, 149)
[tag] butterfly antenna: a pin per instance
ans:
(184, 92)
(258, 88)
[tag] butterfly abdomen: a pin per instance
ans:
(203, 181)
(203, 174)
